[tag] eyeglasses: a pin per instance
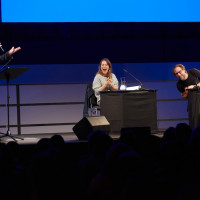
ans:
(178, 72)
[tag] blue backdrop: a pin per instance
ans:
(100, 11)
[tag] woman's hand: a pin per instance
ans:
(109, 81)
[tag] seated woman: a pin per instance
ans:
(104, 80)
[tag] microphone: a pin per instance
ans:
(1, 48)
(133, 77)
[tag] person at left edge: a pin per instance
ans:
(104, 80)
(8, 55)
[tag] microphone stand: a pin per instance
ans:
(7, 76)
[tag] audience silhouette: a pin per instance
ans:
(134, 166)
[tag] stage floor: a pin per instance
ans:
(34, 138)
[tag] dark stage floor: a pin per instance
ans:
(34, 138)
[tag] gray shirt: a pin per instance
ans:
(99, 81)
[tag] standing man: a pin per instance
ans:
(187, 79)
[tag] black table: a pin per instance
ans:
(194, 108)
(130, 109)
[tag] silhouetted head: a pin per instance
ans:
(43, 144)
(99, 142)
(169, 134)
(183, 130)
(57, 141)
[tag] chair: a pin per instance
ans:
(91, 108)
(94, 108)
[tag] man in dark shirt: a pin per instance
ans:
(8, 55)
(187, 79)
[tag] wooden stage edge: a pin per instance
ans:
(68, 137)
